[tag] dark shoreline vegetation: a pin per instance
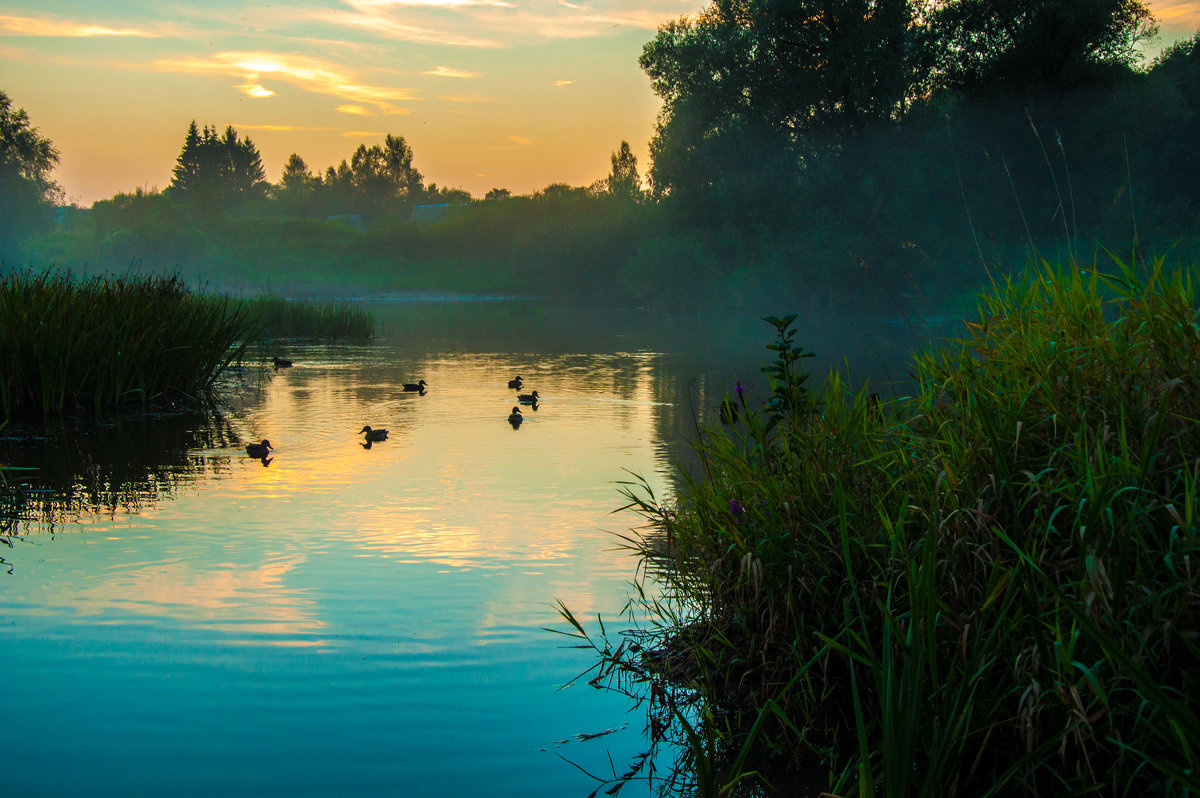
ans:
(986, 588)
(747, 207)
(102, 344)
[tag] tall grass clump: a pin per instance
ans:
(988, 588)
(87, 345)
(276, 317)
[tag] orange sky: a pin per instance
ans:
(514, 94)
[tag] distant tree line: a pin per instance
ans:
(805, 149)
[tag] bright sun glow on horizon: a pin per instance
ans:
(514, 94)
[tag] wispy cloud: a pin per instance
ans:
(361, 134)
(254, 90)
(356, 110)
(524, 141)
(378, 21)
(1178, 13)
(369, 6)
(311, 74)
(562, 83)
(465, 98)
(12, 25)
(447, 72)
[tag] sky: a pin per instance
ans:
(514, 94)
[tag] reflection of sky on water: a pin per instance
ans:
(426, 567)
(350, 620)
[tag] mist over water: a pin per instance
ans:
(180, 618)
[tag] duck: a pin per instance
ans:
(528, 398)
(515, 418)
(729, 412)
(259, 450)
(515, 383)
(374, 434)
(415, 386)
(280, 363)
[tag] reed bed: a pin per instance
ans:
(990, 587)
(276, 317)
(88, 345)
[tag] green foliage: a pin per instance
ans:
(275, 317)
(981, 589)
(26, 188)
(70, 346)
(1023, 47)
(214, 172)
(623, 180)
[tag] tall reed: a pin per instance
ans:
(79, 345)
(276, 317)
(986, 588)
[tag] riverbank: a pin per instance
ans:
(981, 588)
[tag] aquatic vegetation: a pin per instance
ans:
(984, 588)
(70, 345)
(276, 317)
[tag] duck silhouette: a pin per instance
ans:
(515, 383)
(280, 363)
(374, 434)
(259, 450)
(515, 418)
(415, 387)
(528, 398)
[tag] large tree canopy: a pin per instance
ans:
(751, 88)
(1023, 46)
(748, 78)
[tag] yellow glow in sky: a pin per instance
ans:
(514, 94)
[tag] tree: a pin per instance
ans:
(296, 178)
(297, 186)
(214, 172)
(1018, 47)
(497, 194)
(624, 181)
(27, 191)
(750, 86)
(384, 174)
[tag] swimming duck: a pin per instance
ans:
(415, 386)
(374, 434)
(259, 450)
(515, 383)
(280, 363)
(515, 418)
(528, 398)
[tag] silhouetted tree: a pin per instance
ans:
(213, 172)
(297, 187)
(1018, 47)
(27, 193)
(497, 193)
(749, 86)
(624, 181)
(381, 175)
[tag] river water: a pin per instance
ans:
(177, 618)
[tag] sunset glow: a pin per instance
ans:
(514, 94)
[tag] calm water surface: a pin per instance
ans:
(344, 620)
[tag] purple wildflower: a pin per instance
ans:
(736, 508)
(739, 390)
